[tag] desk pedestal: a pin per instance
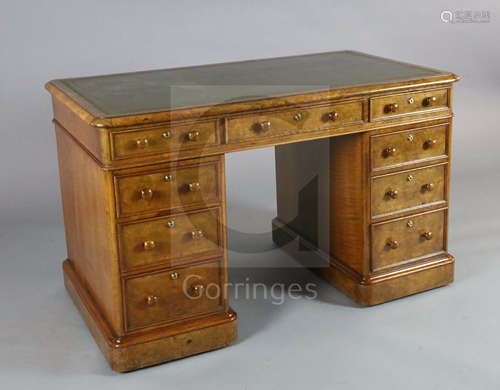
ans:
(330, 195)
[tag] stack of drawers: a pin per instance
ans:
(171, 239)
(409, 192)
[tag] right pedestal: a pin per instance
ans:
(369, 211)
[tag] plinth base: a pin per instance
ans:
(436, 271)
(148, 348)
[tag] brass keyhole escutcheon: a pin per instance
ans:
(410, 223)
(411, 138)
(297, 117)
(410, 178)
(174, 275)
(411, 100)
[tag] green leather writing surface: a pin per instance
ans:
(160, 90)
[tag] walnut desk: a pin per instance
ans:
(141, 160)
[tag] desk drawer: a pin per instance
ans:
(408, 189)
(175, 236)
(408, 146)
(164, 139)
(273, 124)
(173, 294)
(408, 238)
(408, 103)
(169, 188)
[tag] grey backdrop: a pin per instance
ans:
(446, 338)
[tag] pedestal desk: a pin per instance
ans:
(362, 171)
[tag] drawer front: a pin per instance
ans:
(167, 189)
(165, 139)
(408, 103)
(408, 189)
(408, 238)
(175, 236)
(408, 146)
(173, 295)
(274, 124)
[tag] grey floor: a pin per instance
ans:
(446, 338)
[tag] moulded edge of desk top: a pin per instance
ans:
(94, 117)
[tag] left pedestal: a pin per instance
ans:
(147, 254)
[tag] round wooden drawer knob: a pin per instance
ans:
(197, 234)
(194, 187)
(393, 244)
(389, 151)
(152, 300)
(263, 126)
(146, 193)
(142, 143)
(197, 290)
(193, 135)
(333, 116)
(149, 244)
(427, 187)
(427, 235)
(430, 143)
(393, 194)
(391, 108)
(429, 101)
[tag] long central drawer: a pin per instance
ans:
(274, 124)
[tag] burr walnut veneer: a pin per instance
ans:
(362, 170)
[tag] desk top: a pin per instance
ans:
(137, 93)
